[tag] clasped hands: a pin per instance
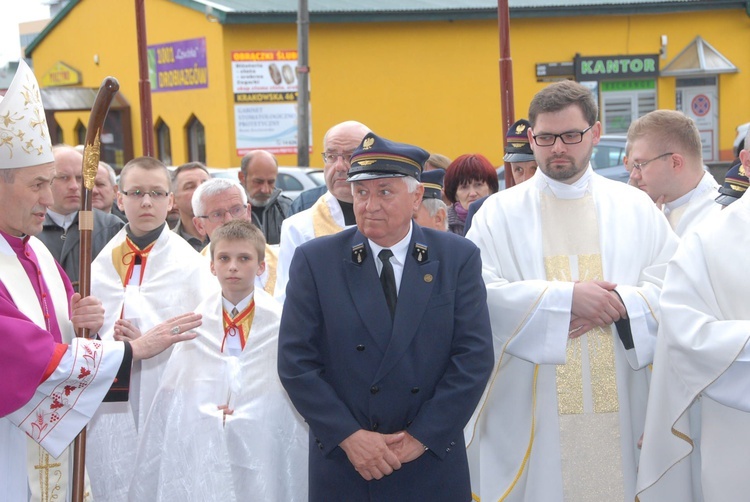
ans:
(375, 455)
(595, 303)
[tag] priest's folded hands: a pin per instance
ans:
(595, 303)
(160, 337)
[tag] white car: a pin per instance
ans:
(291, 180)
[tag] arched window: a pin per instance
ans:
(80, 132)
(196, 140)
(56, 133)
(163, 142)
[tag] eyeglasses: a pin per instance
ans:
(569, 138)
(218, 215)
(139, 194)
(640, 166)
(330, 158)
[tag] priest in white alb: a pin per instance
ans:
(702, 363)
(573, 264)
(333, 211)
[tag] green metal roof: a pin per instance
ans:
(358, 11)
(285, 11)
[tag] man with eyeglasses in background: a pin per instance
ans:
(665, 160)
(60, 230)
(219, 201)
(333, 210)
(146, 274)
(573, 264)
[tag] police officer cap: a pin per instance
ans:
(378, 157)
(517, 147)
(432, 181)
(735, 184)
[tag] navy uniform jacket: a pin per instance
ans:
(346, 368)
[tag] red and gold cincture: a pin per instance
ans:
(124, 259)
(239, 325)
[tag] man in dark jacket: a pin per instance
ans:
(385, 343)
(60, 229)
(258, 172)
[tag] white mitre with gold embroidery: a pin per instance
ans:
(24, 137)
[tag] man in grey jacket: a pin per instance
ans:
(258, 172)
(60, 229)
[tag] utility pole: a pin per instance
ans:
(144, 84)
(303, 93)
(506, 77)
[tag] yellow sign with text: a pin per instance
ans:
(60, 74)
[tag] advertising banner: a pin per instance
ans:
(264, 83)
(178, 66)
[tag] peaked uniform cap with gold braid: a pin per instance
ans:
(517, 147)
(432, 181)
(24, 137)
(378, 157)
(735, 185)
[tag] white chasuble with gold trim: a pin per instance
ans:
(518, 439)
(587, 399)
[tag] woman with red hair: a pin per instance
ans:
(468, 178)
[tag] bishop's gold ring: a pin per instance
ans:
(175, 330)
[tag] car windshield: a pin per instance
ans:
(317, 177)
(607, 156)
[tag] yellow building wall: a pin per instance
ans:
(434, 84)
(82, 34)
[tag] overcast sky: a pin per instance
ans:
(13, 12)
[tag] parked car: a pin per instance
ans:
(739, 141)
(291, 180)
(607, 158)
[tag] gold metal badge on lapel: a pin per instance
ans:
(428, 278)
(420, 252)
(359, 253)
(367, 143)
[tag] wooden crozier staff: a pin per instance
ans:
(91, 152)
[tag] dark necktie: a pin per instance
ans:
(388, 280)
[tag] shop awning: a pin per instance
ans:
(69, 99)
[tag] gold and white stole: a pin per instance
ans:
(586, 384)
(322, 219)
(272, 263)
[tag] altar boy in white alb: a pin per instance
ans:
(145, 274)
(573, 264)
(221, 426)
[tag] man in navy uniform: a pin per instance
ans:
(386, 370)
